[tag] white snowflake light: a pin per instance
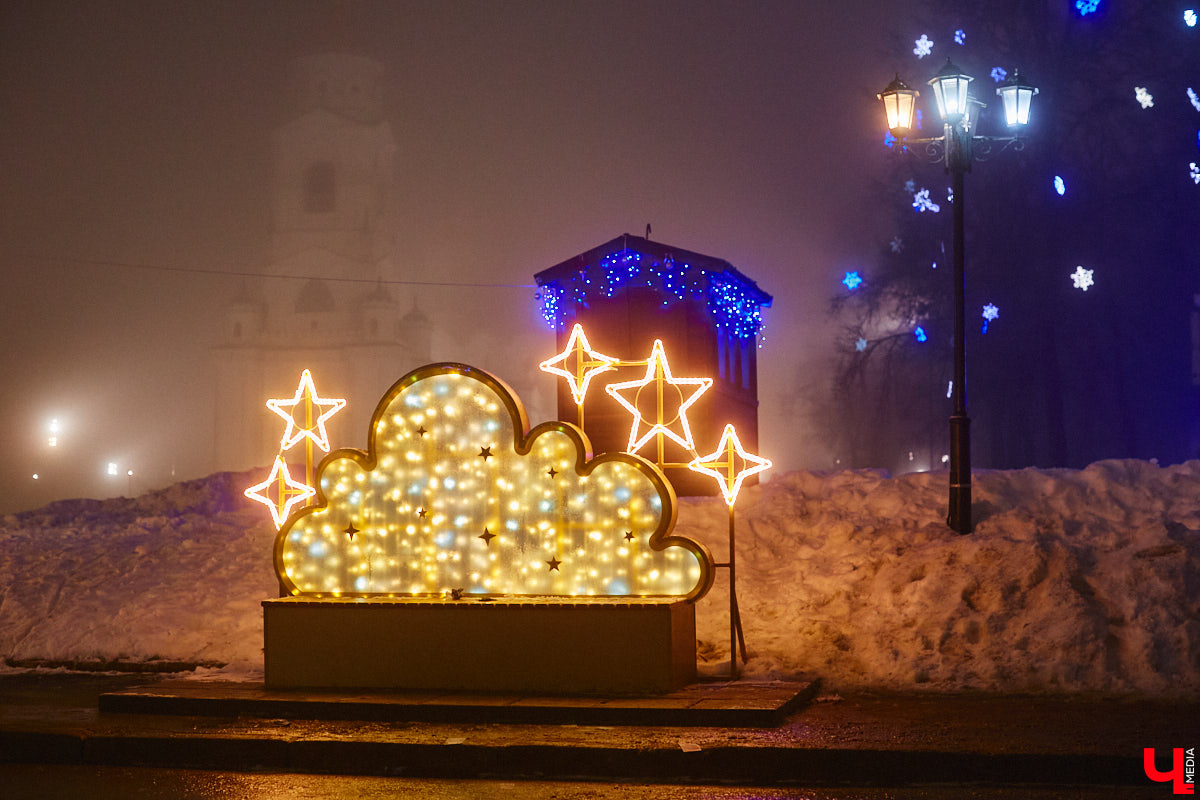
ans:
(999, 74)
(897, 244)
(924, 46)
(1193, 98)
(990, 312)
(922, 202)
(1082, 278)
(1189, 18)
(1143, 97)
(1194, 171)
(960, 36)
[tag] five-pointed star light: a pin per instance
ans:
(580, 363)
(291, 492)
(1082, 278)
(730, 464)
(304, 402)
(658, 374)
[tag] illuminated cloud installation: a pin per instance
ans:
(456, 497)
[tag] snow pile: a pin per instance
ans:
(1073, 581)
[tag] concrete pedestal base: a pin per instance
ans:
(552, 645)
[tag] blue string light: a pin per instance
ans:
(736, 309)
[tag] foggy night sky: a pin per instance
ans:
(527, 132)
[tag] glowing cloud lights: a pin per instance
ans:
(304, 401)
(730, 464)
(658, 374)
(580, 363)
(456, 497)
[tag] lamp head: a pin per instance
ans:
(950, 92)
(899, 102)
(1017, 95)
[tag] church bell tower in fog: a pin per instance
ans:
(325, 305)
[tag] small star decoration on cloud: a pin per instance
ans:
(480, 504)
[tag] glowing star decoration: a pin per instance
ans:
(288, 492)
(580, 363)
(540, 517)
(922, 202)
(1194, 172)
(910, 186)
(1060, 185)
(897, 244)
(1144, 97)
(960, 36)
(852, 280)
(730, 464)
(1193, 99)
(990, 313)
(1189, 18)
(924, 46)
(669, 393)
(303, 403)
(860, 344)
(1082, 278)
(999, 74)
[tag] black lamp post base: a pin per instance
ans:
(959, 517)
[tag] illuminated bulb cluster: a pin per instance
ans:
(735, 308)
(454, 497)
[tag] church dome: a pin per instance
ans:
(315, 296)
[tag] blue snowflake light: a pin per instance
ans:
(1193, 99)
(1194, 173)
(1085, 7)
(920, 334)
(860, 344)
(960, 36)
(999, 74)
(1189, 18)
(1060, 186)
(852, 280)
(990, 312)
(910, 186)
(919, 117)
(922, 202)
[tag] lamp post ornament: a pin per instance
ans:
(957, 148)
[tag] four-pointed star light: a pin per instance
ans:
(730, 464)
(289, 492)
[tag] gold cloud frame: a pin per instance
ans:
(456, 496)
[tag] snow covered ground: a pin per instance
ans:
(1074, 580)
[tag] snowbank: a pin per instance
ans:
(1074, 580)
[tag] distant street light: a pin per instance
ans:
(958, 148)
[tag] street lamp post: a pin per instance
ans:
(958, 148)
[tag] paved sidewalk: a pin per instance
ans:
(860, 739)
